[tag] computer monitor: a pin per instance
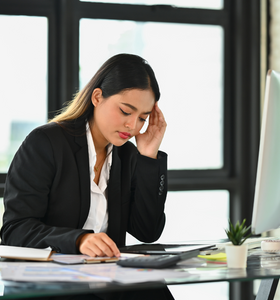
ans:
(266, 209)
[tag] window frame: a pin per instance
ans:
(241, 23)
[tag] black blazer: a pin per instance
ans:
(47, 192)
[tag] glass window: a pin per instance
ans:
(188, 216)
(23, 81)
(188, 62)
(210, 4)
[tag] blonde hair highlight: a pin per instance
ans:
(74, 109)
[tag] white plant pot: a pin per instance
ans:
(236, 256)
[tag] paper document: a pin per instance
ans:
(25, 253)
(51, 272)
(73, 259)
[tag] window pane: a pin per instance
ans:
(188, 62)
(188, 216)
(23, 81)
(210, 4)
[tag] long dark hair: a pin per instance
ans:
(120, 72)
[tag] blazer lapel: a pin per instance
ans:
(83, 169)
(114, 198)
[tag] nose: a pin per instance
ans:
(131, 123)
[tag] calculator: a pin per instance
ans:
(157, 261)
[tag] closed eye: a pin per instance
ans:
(128, 114)
(125, 113)
(142, 120)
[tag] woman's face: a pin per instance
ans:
(120, 117)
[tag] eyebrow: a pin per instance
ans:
(134, 108)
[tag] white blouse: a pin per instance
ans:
(97, 219)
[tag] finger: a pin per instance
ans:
(111, 248)
(91, 250)
(159, 112)
(153, 116)
(94, 251)
(161, 118)
(98, 244)
(105, 245)
(156, 114)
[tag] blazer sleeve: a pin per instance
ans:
(28, 187)
(149, 189)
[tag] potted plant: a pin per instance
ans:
(237, 251)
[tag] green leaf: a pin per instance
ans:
(239, 233)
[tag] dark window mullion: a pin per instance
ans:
(153, 13)
(2, 183)
(53, 63)
(26, 7)
(65, 37)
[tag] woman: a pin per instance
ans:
(77, 184)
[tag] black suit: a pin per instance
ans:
(47, 192)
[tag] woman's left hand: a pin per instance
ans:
(148, 142)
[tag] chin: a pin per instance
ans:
(118, 142)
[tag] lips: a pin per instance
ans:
(124, 135)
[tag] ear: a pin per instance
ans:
(96, 97)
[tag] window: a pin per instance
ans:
(23, 77)
(216, 46)
(194, 112)
(188, 217)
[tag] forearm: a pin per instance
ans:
(33, 233)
